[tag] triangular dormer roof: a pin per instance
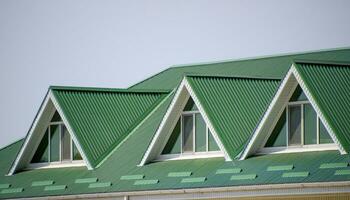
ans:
(317, 80)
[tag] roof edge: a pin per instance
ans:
(229, 76)
(98, 89)
(321, 62)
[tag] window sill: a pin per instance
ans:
(295, 149)
(77, 163)
(187, 156)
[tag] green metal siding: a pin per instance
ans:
(102, 119)
(264, 67)
(234, 106)
(329, 84)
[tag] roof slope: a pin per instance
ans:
(102, 118)
(265, 67)
(329, 85)
(234, 106)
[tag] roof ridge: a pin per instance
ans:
(260, 57)
(324, 62)
(99, 89)
(231, 76)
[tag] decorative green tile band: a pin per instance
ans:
(146, 182)
(132, 177)
(243, 177)
(4, 186)
(333, 165)
(295, 174)
(55, 187)
(42, 183)
(12, 190)
(280, 168)
(229, 171)
(194, 180)
(86, 180)
(342, 172)
(100, 185)
(179, 174)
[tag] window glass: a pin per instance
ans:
(174, 143)
(66, 144)
(294, 125)
(56, 117)
(54, 143)
(190, 105)
(200, 137)
(187, 134)
(278, 136)
(298, 95)
(42, 153)
(76, 154)
(310, 125)
(212, 146)
(325, 138)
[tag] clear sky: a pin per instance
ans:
(111, 43)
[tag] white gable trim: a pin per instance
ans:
(174, 111)
(270, 118)
(46, 110)
(70, 130)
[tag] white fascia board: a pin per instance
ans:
(29, 135)
(252, 142)
(155, 141)
(317, 109)
(154, 147)
(70, 130)
(206, 119)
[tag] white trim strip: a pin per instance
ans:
(70, 130)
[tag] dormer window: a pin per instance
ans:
(56, 146)
(298, 128)
(191, 136)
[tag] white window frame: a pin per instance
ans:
(60, 163)
(193, 154)
(302, 147)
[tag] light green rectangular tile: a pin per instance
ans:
(194, 180)
(280, 168)
(342, 172)
(179, 174)
(86, 180)
(146, 182)
(132, 177)
(229, 171)
(55, 187)
(5, 185)
(42, 183)
(243, 177)
(100, 185)
(11, 190)
(333, 165)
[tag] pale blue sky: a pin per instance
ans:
(110, 43)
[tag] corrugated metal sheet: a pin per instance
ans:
(272, 67)
(101, 119)
(234, 106)
(329, 84)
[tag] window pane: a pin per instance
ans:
(54, 143)
(200, 134)
(310, 125)
(174, 143)
(212, 146)
(190, 105)
(325, 138)
(42, 153)
(56, 117)
(298, 95)
(76, 154)
(278, 136)
(187, 134)
(294, 125)
(66, 144)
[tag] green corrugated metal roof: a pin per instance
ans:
(329, 84)
(124, 160)
(264, 67)
(102, 118)
(234, 106)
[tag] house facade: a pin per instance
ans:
(274, 127)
